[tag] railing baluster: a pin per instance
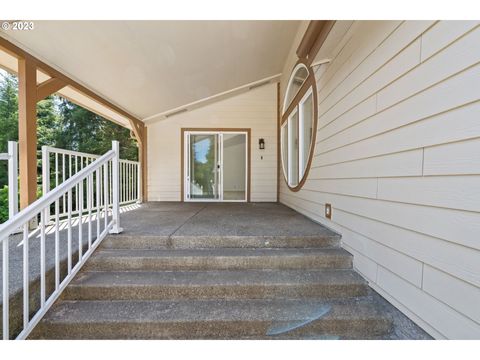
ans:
(63, 176)
(101, 187)
(89, 207)
(69, 232)
(43, 222)
(124, 182)
(57, 245)
(98, 202)
(76, 187)
(129, 185)
(110, 190)
(105, 192)
(56, 177)
(139, 183)
(46, 173)
(56, 169)
(6, 297)
(80, 227)
(26, 277)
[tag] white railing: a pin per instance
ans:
(12, 157)
(92, 178)
(59, 165)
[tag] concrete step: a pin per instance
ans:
(125, 241)
(213, 319)
(216, 259)
(216, 284)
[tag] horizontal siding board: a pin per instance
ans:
(388, 132)
(351, 117)
(412, 315)
(453, 324)
(454, 192)
(401, 264)
(354, 187)
(367, 37)
(443, 34)
(390, 71)
(459, 227)
(460, 158)
(453, 59)
(454, 259)
(408, 163)
(454, 292)
(363, 264)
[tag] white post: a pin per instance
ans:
(139, 182)
(46, 178)
(12, 178)
(116, 189)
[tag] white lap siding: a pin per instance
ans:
(255, 109)
(397, 156)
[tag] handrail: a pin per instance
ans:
(30, 211)
(101, 180)
(69, 152)
(60, 164)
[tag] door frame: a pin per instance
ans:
(214, 130)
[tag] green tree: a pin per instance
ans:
(8, 117)
(82, 130)
(60, 124)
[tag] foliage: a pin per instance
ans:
(4, 204)
(61, 124)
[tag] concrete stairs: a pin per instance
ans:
(147, 287)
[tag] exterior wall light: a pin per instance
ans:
(261, 144)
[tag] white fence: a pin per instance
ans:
(12, 157)
(99, 180)
(58, 165)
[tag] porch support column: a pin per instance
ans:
(142, 155)
(140, 131)
(27, 130)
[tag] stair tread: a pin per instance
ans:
(216, 277)
(126, 240)
(181, 311)
(220, 252)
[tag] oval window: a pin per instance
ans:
(298, 128)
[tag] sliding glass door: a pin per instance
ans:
(215, 166)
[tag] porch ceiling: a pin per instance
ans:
(152, 67)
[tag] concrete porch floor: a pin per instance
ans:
(218, 219)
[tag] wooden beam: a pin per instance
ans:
(27, 130)
(22, 54)
(322, 36)
(314, 37)
(142, 157)
(49, 87)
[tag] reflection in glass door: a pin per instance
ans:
(203, 174)
(216, 166)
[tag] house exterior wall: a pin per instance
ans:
(255, 109)
(398, 157)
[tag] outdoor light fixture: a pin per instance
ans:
(261, 144)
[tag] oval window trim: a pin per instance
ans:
(307, 88)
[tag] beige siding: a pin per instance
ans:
(397, 156)
(256, 109)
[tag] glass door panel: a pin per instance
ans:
(204, 167)
(293, 149)
(306, 132)
(234, 160)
